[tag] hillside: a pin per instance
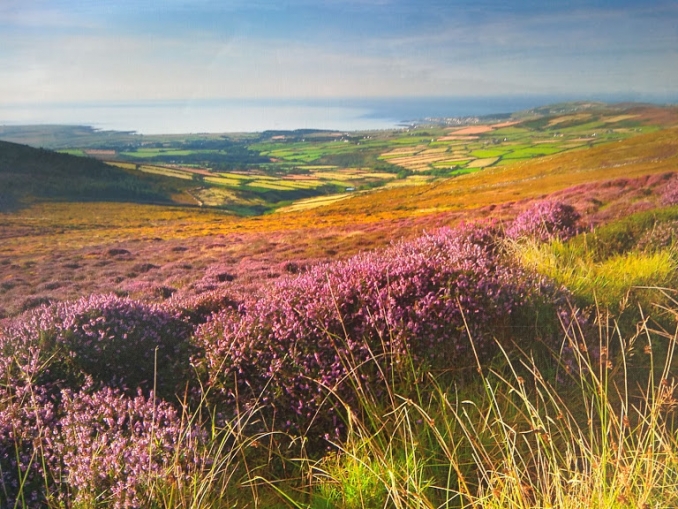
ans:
(327, 357)
(28, 174)
(258, 173)
(641, 155)
(56, 251)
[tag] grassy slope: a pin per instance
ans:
(65, 244)
(511, 441)
(28, 174)
(641, 155)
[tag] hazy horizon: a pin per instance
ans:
(57, 54)
(256, 115)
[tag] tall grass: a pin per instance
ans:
(605, 281)
(597, 431)
(609, 265)
(519, 439)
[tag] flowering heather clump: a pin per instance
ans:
(90, 446)
(117, 341)
(27, 417)
(146, 290)
(196, 309)
(670, 194)
(97, 448)
(110, 447)
(303, 336)
(546, 220)
(214, 277)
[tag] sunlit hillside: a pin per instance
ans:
(501, 338)
(56, 250)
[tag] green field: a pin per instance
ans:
(273, 168)
(294, 164)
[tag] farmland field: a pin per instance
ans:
(255, 173)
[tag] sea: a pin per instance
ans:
(256, 115)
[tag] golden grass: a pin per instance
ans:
(569, 118)
(419, 158)
(311, 203)
(155, 170)
(619, 118)
(457, 138)
(641, 155)
(476, 129)
(605, 282)
(216, 197)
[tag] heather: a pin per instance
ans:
(546, 220)
(116, 341)
(92, 449)
(294, 346)
(61, 251)
(473, 366)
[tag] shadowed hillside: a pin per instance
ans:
(28, 174)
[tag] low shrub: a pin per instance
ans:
(546, 220)
(94, 449)
(117, 341)
(27, 417)
(197, 309)
(628, 233)
(314, 335)
(669, 196)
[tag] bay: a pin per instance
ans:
(255, 115)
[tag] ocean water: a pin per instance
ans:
(253, 115)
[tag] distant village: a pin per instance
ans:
(443, 121)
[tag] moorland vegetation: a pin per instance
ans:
(499, 339)
(27, 174)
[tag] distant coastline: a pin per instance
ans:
(255, 115)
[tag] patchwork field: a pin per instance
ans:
(256, 173)
(501, 143)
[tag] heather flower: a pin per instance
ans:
(306, 336)
(111, 447)
(117, 341)
(196, 309)
(215, 276)
(669, 196)
(27, 417)
(546, 220)
(94, 448)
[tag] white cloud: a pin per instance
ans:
(577, 52)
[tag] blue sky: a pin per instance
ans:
(59, 51)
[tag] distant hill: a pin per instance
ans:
(57, 137)
(28, 174)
